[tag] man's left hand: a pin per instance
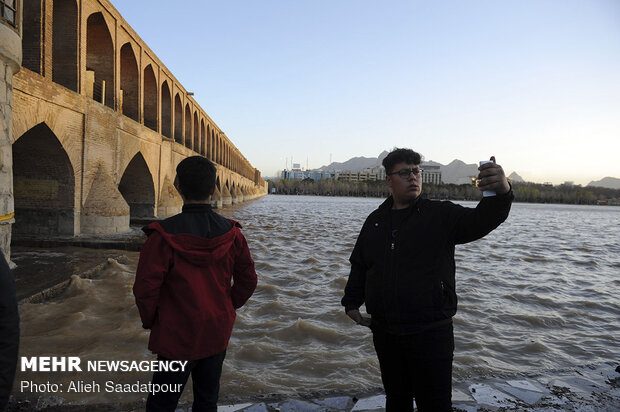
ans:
(492, 177)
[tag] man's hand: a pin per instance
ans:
(358, 318)
(492, 177)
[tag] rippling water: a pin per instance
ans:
(540, 292)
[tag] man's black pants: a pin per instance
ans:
(416, 366)
(206, 374)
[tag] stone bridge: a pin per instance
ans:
(99, 124)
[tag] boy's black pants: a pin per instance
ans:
(205, 373)
(416, 366)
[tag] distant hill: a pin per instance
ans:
(608, 182)
(516, 178)
(356, 164)
(456, 172)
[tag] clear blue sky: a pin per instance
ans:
(534, 82)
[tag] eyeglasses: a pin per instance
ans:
(404, 173)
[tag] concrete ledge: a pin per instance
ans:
(104, 224)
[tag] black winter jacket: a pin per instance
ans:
(407, 277)
(9, 332)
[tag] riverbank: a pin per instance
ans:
(590, 387)
(524, 191)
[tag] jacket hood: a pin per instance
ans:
(197, 249)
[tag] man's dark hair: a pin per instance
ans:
(196, 177)
(400, 155)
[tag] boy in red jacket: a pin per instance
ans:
(194, 270)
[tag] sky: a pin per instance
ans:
(536, 83)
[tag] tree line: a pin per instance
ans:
(524, 192)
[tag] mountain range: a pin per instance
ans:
(457, 171)
(608, 182)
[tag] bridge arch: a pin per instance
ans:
(137, 188)
(188, 127)
(44, 195)
(202, 137)
(218, 183)
(129, 82)
(150, 99)
(178, 119)
(196, 134)
(100, 59)
(166, 110)
(65, 43)
(209, 145)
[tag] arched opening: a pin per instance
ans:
(219, 150)
(196, 134)
(150, 98)
(44, 194)
(138, 189)
(99, 60)
(178, 119)
(188, 126)
(215, 147)
(202, 137)
(209, 144)
(65, 44)
(166, 111)
(31, 36)
(129, 83)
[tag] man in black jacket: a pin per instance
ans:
(402, 268)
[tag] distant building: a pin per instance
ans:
(298, 174)
(431, 173)
(371, 174)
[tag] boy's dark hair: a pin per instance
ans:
(196, 177)
(400, 155)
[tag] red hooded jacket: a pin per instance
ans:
(185, 292)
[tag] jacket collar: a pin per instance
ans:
(389, 202)
(196, 208)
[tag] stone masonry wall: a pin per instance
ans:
(10, 61)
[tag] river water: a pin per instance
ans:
(539, 293)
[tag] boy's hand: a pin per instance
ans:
(358, 318)
(492, 177)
